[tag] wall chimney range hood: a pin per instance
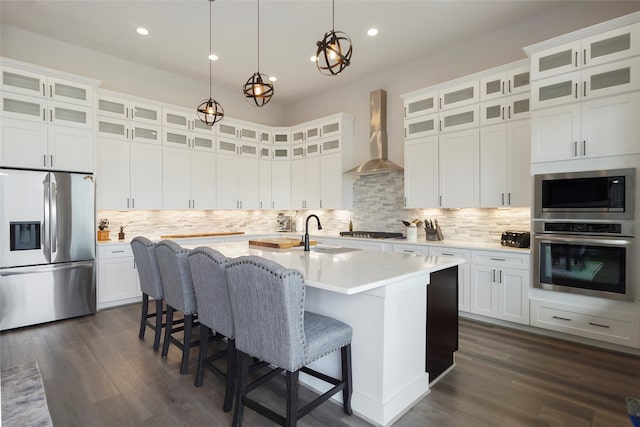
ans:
(378, 139)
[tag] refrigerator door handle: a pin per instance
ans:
(54, 216)
(46, 232)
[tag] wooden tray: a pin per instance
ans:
(186, 236)
(280, 243)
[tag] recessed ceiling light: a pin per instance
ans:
(142, 31)
(213, 57)
(372, 32)
(273, 79)
(313, 58)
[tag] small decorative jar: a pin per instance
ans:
(412, 233)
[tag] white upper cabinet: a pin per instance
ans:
(506, 108)
(40, 85)
(124, 109)
(44, 111)
(606, 47)
(421, 173)
(420, 126)
(456, 96)
(458, 119)
(494, 86)
(185, 120)
(421, 105)
(238, 130)
(518, 79)
(459, 164)
(281, 136)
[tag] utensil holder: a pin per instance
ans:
(412, 233)
(432, 234)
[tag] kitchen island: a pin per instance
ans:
(384, 297)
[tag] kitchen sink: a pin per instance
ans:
(332, 249)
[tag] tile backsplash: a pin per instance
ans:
(378, 206)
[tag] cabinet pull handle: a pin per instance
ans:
(127, 203)
(576, 58)
(51, 160)
(405, 202)
(600, 325)
(502, 113)
(502, 199)
(127, 133)
(503, 87)
(576, 90)
(584, 88)
(440, 200)
(440, 126)
(440, 102)
(117, 252)
(446, 254)
(133, 203)
(509, 199)
(584, 57)
(405, 132)
(575, 148)
(409, 251)
(584, 148)
(509, 110)
(405, 111)
(493, 276)
(43, 90)
(44, 114)
(50, 91)
(509, 85)
(51, 115)
(561, 318)
(500, 276)
(44, 160)
(497, 259)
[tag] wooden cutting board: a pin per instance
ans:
(186, 236)
(279, 243)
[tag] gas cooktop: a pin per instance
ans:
(371, 234)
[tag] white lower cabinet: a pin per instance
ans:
(603, 325)
(464, 274)
(499, 286)
(118, 281)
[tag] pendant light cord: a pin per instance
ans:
(333, 15)
(258, 36)
(210, 52)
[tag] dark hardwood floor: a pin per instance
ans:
(97, 373)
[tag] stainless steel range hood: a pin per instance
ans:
(378, 139)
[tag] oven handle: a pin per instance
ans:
(583, 240)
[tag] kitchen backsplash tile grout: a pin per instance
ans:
(378, 206)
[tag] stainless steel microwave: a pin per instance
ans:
(598, 195)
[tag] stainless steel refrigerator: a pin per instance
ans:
(47, 253)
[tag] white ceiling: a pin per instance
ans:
(179, 33)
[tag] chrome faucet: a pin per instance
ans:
(306, 231)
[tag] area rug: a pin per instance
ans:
(23, 399)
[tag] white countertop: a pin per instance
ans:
(347, 273)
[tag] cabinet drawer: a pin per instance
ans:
(500, 259)
(115, 251)
(411, 249)
(452, 252)
(624, 331)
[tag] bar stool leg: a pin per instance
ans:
(243, 373)
(167, 331)
(143, 318)
(158, 332)
(346, 377)
(188, 328)
(202, 354)
(292, 399)
(232, 358)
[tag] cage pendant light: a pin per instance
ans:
(334, 50)
(210, 111)
(258, 90)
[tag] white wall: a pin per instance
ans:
(129, 77)
(498, 48)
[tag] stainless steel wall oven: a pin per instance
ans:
(584, 226)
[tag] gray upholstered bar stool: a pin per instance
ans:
(150, 285)
(179, 295)
(214, 314)
(267, 303)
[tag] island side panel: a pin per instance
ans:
(442, 321)
(388, 346)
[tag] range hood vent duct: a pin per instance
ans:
(378, 139)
